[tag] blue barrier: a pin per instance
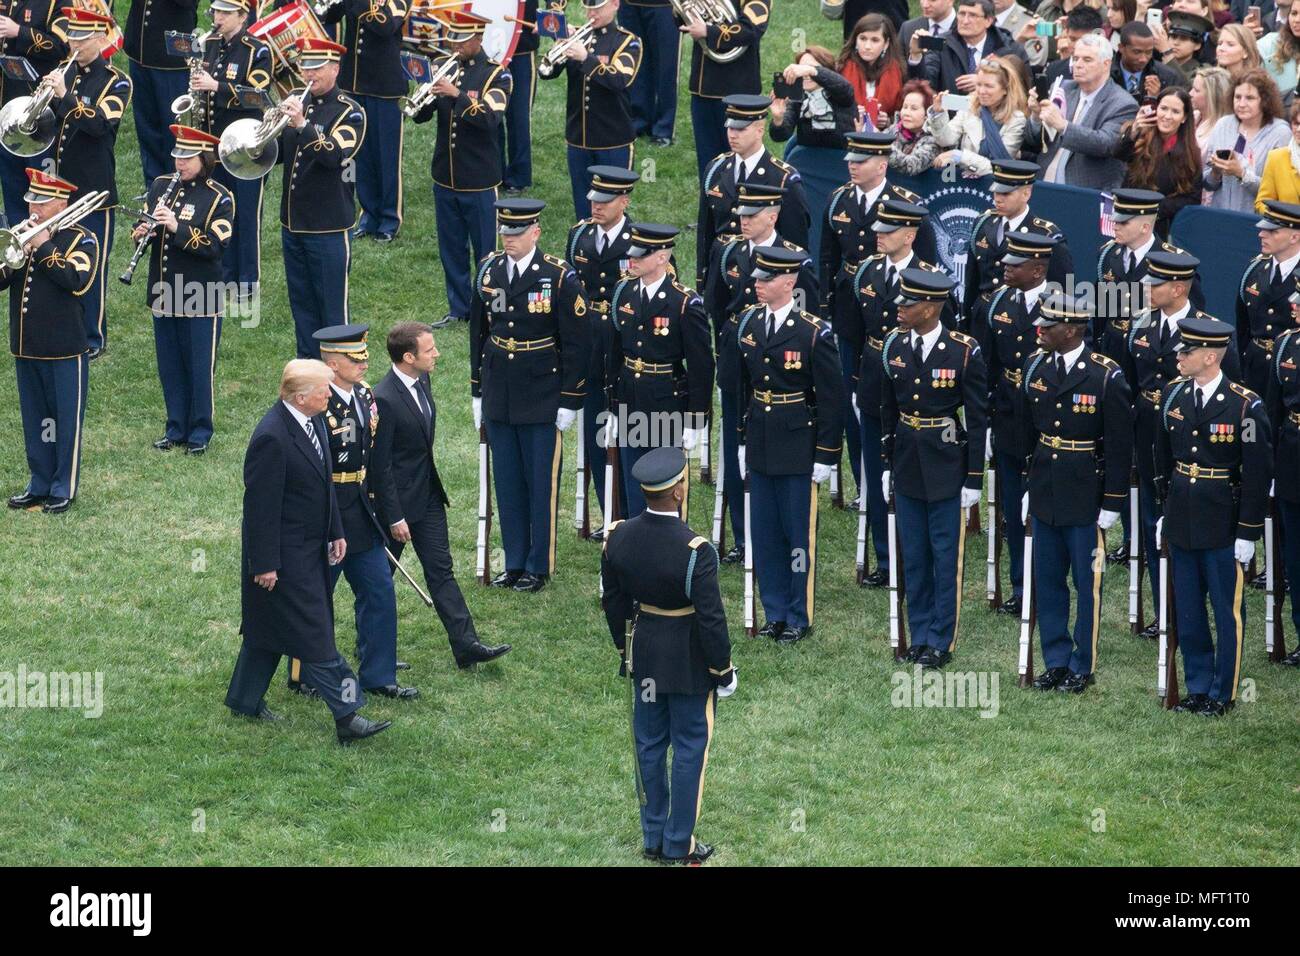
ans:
(1225, 242)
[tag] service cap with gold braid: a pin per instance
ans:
(313, 53)
(610, 182)
(1061, 309)
(84, 24)
(1028, 247)
(773, 261)
(1279, 215)
(922, 285)
(894, 214)
(516, 215)
(868, 145)
(648, 237)
(658, 470)
(1131, 203)
(1203, 333)
(753, 198)
(42, 187)
(1011, 174)
(191, 142)
(349, 340)
(744, 109)
(461, 25)
(1170, 267)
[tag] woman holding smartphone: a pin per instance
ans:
(1240, 142)
(825, 111)
(914, 146)
(1280, 50)
(872, 61)
(991, 127)
(1159, 146)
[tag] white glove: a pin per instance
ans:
(740, 456)
(1243, 551)
(821, 473)
(1160, 532)
(988, 445)
(564, 418)
(884, 484)
(856, 411)
(1024, 507)
(478, 413)
(1106, 519)
(730, 688)
(970, 497)
(691, 438)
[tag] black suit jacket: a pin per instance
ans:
(408, 475)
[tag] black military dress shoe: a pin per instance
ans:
(445, 321)
(652, 853)
(26, 500)
(1215, 708)
(385, 237)
(92, 354)
(263, 713)
(1151, 632)
(1292, 659)
(1191, 703)
(876, 579)
(1010, 606)
(793, 635)
(696, 857)
(1118, 556)
(772, 629)
(56, 506)
(933, 659)
(914, 653)
(1259, 582)
(359, 232)
(306, 690)
(1051, 677)
(355, 727)
(735, 556)
(506, 579)
(529, 583)
(1075, 683)
(479, 653)
(597, 535)
(196, 449)
(395, 691)
(165, 444)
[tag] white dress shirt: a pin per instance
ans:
(521, 265)
(928, 340)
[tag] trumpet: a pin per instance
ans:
(27, 124)
(13, 241)
(249, 147)
(715, 13)
(190, 108)
(147, 215)
(555, 56)
(448, 68)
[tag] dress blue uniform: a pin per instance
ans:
(48, 341)
(530, 346)
(1283, 400)
(1263, 307)
(186, 294)
(1076, 413)
(318, 204)
(517, 143)
(663, 578)
(791, 395)
(932, 456)
(1213, 462)
(654, 92)
(598, 117)
(157, 76)
(660, 361)
(729, 293)
(42, 43)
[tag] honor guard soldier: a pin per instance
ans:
(236, 65)
(1077, 416)
(317, 204)
(1263, 301)
(1013, 185)
(1283, 401)
(660, 370)
(466, 157)
(654, 91)
(712, 79)
(934, 460)
(28, 29)
(517, 141)
(1006, 331)
(597, 250)
(729, 292)
(791, 396)
(372, 74)
(662, 577)
(598, 124)
(747, 162)
(193, 217)
(1214, 461)
(1150, 363)
(157, 76)
(353, 419)
(529, 348)
(875, 291)
(88, 107)
(47, 339)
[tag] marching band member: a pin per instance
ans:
(1076, 415)
(597, 250)
(529, 351)
(28, 29)
(517, 141)
(372, 73)
(598, 118)
(657, 325)
(1213, 463)
(730, 291)
(787, 369)
(934, 461)
(317, 205)
(654, 91)
(1263, 302)
(156, 76)
(47, 338)
(196, 216)
(236, 60)
(88, 110)
(1283, 402)
(467, 173)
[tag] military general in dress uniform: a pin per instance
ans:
(663, 578)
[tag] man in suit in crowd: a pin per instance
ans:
(292, 534)
(937, 18)
(412, 503)
(1077, 141)
(952, 68)
(1136, 69)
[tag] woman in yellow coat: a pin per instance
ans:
(1281, 176)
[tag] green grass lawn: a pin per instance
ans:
(529, 761)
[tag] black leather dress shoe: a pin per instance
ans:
(355, 727)
(852, 504)
(1075, 683)
(402, 666)
(1010, 606)
(1151, 632)
(1118, 556)
(597, 535)
(1292, 659)
(395, 691)
(1051, 677)
(878, 578)
(92, 354)
(263, 713)
(445, 321)
(1215, 708)
(165, 444)
(306, 690)
(696, 857)
(1259, 582)
(196, 449)
(735, 556)
(652, 853)
(385, 237)
(772, 629)
(1191, 703)
(26, 500)
(56, 506)
(529, 583)
(914, 653)
(506, 579)
(479, 653)
(793, 635)
(661, 141)
(359, 232)
(933, 658)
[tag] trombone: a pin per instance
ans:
(249, 147)
(27, 124)
(448, 69)
(13, 241)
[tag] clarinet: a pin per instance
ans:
(126, 276)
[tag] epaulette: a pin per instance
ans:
(698, 540)
(221, 189)
(1245, 276)
(794, 247)
(695, 544)
(1166, 246)
(906, 194)
(811, 319)
(961, 337)
(609, 533)
(1105, 361)
(1047, 224)
(927, 267)
(1243, 391)
(556, 261)
(344, 98)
